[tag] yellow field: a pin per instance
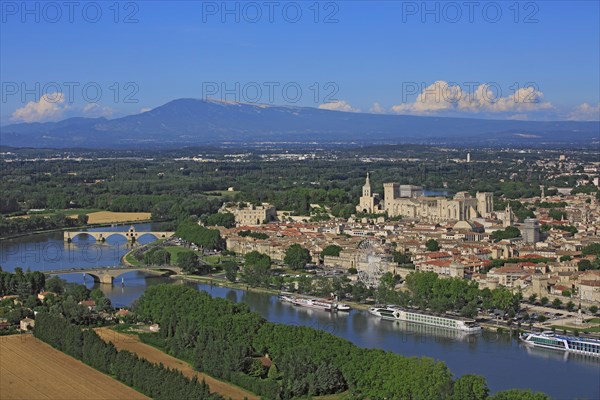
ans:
(132, 343)
(108, 217)
(31, 369)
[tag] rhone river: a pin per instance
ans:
(504, 362)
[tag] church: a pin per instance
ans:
(409, 201)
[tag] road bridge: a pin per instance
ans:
(106, 275)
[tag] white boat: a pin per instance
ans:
(314, 303)
(443, 321)
(548, 340)
(343, 307)
(286, 297)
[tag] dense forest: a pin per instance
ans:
(230, 342)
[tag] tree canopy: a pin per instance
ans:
(297, 256)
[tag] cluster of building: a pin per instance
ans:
(408, 201)
(462, 226)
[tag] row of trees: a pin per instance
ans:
(13, 226)
(151, 379)
(21, 283)
(193, 233)
(225, 339)
(427, 291)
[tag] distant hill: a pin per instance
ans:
(191, 122)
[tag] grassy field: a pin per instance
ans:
(132, 343)
(31, 369)
(175, 251)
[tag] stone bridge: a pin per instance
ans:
(131, 235)
(107, 274)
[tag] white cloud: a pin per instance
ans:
(97, 110)
(443, 96)
(48, 107)
(338, 105)
(376, 108)
(145, 109)
(585, 112)
(435, 97)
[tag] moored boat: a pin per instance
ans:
(444, 321)
(286, 297)
(314, 303)
(549, 340)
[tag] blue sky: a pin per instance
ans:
(532, 60)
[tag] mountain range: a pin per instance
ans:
(192, 122)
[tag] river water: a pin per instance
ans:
(504, 362)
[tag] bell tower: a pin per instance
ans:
(366, 192)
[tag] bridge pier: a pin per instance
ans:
(106, 279)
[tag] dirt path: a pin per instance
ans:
(30, 369)
(133, 344)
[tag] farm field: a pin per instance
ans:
(132, 343)
(106, 217)
(31, 369)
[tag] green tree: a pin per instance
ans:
(532, 298)
(402, 257)
(508, 233)
(96, 295)
(226, 220)
(432, 245)
(544, 300)
(470, 387)
(584, 265)
(591, 249)
(157, 256)
(257, 269)
(77, 292)
(188, 262)
(55, 285)
(297, 256)
(556, 303)
(557, 214)
(570, 306)
(82, 219)
(331, 250)
(230, 272)
(593, 309)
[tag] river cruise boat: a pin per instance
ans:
(548, 340)
(399, 314)
(314, 303)
(288, 298)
